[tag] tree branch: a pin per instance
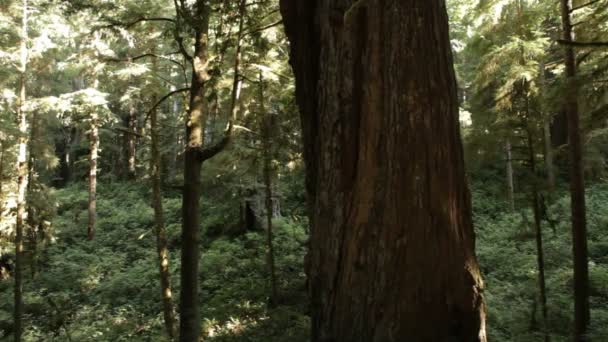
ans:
(109, 59)
(263, 28)
(163, 99)
(127, 131)
(179, 13)
(211, 151)
(136, 21)
(583, 44)
(583, 5)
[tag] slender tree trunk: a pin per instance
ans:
(577, 185)
(22, 179)
(547, 133)
(31, 219)
(2, 161)
(93, 153)
(236, 80)
(510, 183)
(540, 258)
(267, 147)
(194, 156)
(392, 238)
(159, 224)
(131, 141)
(190, 328)
(549, 154)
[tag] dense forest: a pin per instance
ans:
(304, 170)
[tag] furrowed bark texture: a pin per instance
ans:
(392, 243)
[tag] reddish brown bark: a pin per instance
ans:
(392, 243)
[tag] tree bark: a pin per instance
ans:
(190, 328)
(510, 183)
(392, 243)
(549, 165)
(547, 133)
(2, 162)
(577, 184)
(540, 257)
(131, 141)
(159, 224)
(22, 179)
(31, 176)
(93, 154)
(267, 148)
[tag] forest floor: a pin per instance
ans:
(107, 289)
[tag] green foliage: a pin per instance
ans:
(108, 289)
(507, 254)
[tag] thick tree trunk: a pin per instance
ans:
(93, 153)
(266, 130)
(22, 179)
(159, 224)
(510, 183)
(392, 242)
(577, 185)
(540, 256)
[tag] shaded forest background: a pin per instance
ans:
(103, 88)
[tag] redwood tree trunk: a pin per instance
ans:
(392, 242)
(577, 185)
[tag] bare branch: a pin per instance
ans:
(263, 28)
(582, 44)
(136, 21)
(583, 5)
(163, 99)
(132, 59)
(211, 151)
(127, 131)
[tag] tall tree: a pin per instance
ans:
(392, 238)
(510, 182)
(22, 173)
(266, 129)
(577, 184)
(536, 209)
(93, 154)
(198, 20)
(159, 223)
